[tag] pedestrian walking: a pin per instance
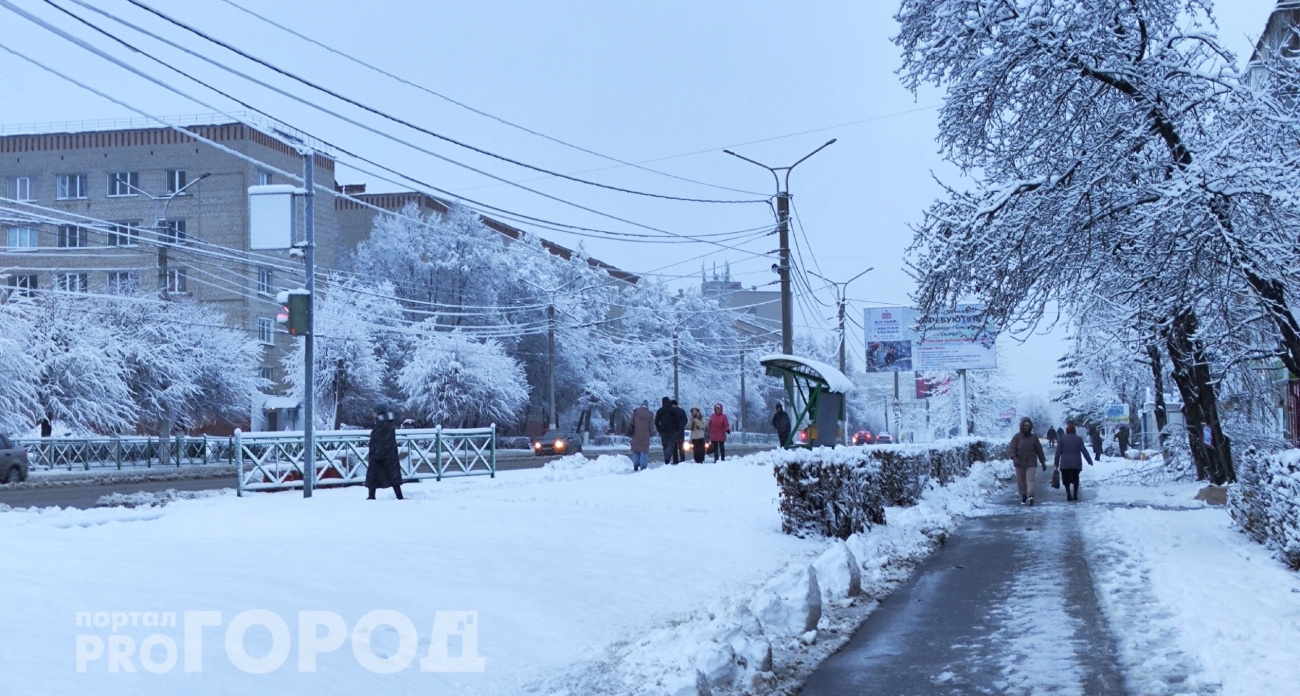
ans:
(670, 431)
(781, 423)
(383, 463)
(1094, 436)
(1026, 453)
(638, 430)
(1069, 458)
(719, 428)
(699, 430)
(1122, 436)
(679, 413)
(1051, 437)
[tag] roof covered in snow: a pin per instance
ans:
(836, 381)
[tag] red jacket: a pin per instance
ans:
(719, 426)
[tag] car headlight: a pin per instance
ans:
(537, 445)
(559, 444)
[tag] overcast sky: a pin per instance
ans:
(641, 82)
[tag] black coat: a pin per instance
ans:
(385, 467)
(781, 422)
(666, 422)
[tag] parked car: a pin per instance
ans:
(863, 437)
(560, 442)
(689, 447)
(13, 462)
(884, 439)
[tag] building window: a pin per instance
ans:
(266, 330)
(263, 178)
(70, 186)
(176, 280)
(123, 282)
(72, 237)
(264, 281)
(20, 188)
(173, 231)
(22, 285)
(20, 238)
(71, 282)
(124, 234)
(268, 374)
(123, 184)
(175, 180)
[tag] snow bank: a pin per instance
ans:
(1266, 501)
(840, 491)
(770, 638)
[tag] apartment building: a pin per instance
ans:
(87, 210)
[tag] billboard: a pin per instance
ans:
(1117, 413)
(949, 341)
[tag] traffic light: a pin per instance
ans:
(295, 310)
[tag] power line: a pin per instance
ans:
(365, 107)
(469, 202)
(472, 109)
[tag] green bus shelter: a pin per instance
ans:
(815, 392)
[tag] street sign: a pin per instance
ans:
(953, 340)
(270, 216)
(1207, 435)
(1117, 414)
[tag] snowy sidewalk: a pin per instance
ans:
(1006, 607)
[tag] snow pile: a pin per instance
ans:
(769, 639)
(155, 499)
(840, 491)
(1266, 501)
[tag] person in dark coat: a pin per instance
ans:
(670, 431)
(1094, 437)
(1026, 453)
(45, 427)
(1070, 455)
(1051, 437)
(781, 423)
(1122, 438)
(384, 468)
(682, 420)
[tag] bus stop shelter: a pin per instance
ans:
(815, 392)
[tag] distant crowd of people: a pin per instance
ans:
(707, 433)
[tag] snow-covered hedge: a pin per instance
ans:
(837, 492)
(1266, 501)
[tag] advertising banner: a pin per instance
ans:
(1117, 414)
(949, 341)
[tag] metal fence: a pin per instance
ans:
(123, 452)
(274, 461)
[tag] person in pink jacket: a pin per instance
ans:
(719, 427)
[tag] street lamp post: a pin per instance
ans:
(783, 231)
(843, 289)
(160, 227)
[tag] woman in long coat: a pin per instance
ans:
(1070, 454)
(1026, 453)
(719, 426)
(639, 430)
(384, 468)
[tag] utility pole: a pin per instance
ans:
(309, 345)
(675, 356)
(744, 433)
(551, 422)
(783, 232)
(843, 290)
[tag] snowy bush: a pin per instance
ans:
(1266, 501)
(840, 491)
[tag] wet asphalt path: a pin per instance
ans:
(1005, 607)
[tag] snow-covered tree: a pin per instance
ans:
(80, 376)
(458, 381)
(19, 406)
(1115, 150)
(359, 347)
